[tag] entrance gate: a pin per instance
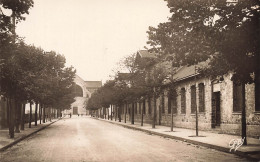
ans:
(75, 110)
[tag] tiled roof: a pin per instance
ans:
(124, 76)
(146, 54)
(188, 71)
(184, 73)
(93, 84)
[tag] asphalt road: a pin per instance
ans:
(87, 139)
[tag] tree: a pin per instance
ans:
(18, 8)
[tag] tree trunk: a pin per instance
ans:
(160, 114)
(44, 114)
(171, 117)
(196, 107)
(107, 113)
(49, 113)
(119, 113)
(132, 113)
(35, 115)
(8, 112)
(30, 116)
(154, 111)
(17, 116)
(111, 112)
(11, 118)
(40, 113)
(197, 120)
(125, 111)
(22, 117)
(115, 112)
(52, 113)
(243, 120)
(103, 113)
(142, 114)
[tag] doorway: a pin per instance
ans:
(75, 110)
(216, 115)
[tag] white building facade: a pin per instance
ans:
(83, 91)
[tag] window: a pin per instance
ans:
(163, 110)
(237, 97)
(193, 99)
(174, 104)
(78, 91)
(183, 101)
(201, 97)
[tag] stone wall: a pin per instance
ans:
(230, 122)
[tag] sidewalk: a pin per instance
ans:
(6, 141)
(207, 139)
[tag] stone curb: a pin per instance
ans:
(24, 137)
(219, 148)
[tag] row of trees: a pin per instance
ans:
(29, 74)
(144, 80)
(224, 33)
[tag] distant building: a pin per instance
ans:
(83, 90)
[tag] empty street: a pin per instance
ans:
(89, 139)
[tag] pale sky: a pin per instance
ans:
(93, 35)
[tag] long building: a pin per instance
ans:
(218, 101)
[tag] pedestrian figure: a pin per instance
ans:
(70, 115)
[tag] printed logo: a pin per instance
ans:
(235, 144)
